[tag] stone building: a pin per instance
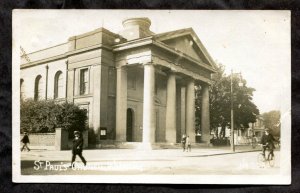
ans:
(137, 86)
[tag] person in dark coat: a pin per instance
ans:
(77, 147)
(183, 141)
(25, 141)
(267, 141)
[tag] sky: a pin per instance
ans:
(255, 43)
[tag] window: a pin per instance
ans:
(84, 81)
(21, 88)
(38, 88)
(58, 85)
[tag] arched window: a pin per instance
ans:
(21, 88)
(38, 88)
(58, 85)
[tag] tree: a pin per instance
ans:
(46, 115)
(245, 110)
(272, 121)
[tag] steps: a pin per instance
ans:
(110, 144)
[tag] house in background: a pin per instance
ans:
(137, 86)
(257, 128)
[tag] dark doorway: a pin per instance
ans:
(129, 125)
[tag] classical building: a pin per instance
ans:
(137, 86)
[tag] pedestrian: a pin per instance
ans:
(183, 141)
(188, 144)
(77, 148)
(25, 141)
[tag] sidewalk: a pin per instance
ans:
(40, 153)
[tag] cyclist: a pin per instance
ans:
(267, 142)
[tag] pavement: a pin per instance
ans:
(201, 160)
(42, 153)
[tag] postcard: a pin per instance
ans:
(152, 96)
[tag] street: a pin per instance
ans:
(163, 162)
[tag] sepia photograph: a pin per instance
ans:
(152, 96)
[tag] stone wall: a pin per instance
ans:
(41, 139)
(47, 140)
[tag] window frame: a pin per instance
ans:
(83, 85)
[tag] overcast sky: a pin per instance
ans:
(255, 43)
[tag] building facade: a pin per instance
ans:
(137, 86)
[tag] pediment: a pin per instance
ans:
(187, 42)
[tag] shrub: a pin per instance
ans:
(46, 115)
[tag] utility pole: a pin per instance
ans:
(231, 115)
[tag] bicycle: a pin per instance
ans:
(268, 158)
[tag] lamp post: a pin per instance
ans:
(231, 111)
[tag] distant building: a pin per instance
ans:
(137, 86)
(257, 128)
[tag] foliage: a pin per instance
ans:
(244, 109)
(46, 115)
(272, 121)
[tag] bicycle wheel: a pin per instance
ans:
(271, 159)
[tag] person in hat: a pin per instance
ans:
(25, 141)
(77, 147)
(267, 142)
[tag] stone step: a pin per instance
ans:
(135, 145)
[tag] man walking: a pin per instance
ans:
(25, 141)
(77, 148)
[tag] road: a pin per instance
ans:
(136, 162)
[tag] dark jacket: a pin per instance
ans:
(77, 145)
(183, 140)
(268, 140)
(25, 139)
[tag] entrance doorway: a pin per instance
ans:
(129, 125)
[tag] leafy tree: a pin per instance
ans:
(46, 115)
(245, 110)
(272, 121)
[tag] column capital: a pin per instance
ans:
(148, 63)
(121, 67)
(171, 71)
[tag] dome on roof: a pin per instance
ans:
(142, 22)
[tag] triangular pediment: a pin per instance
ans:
(187, 42)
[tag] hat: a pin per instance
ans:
(76, 132)
(267, 129)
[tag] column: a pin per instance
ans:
(171, 109)
(205, 114)
(190, 110)
(149, 106)
(96, 88)
(121, 103)
(182, 108)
